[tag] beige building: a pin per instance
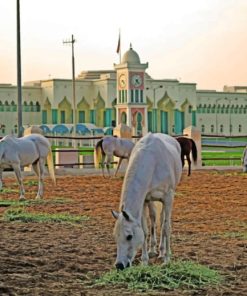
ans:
(126, 94)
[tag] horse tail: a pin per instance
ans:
(194, 150)
(98, 151)
(50, 164)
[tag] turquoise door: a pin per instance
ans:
(164, 122)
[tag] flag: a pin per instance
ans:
(119, 44)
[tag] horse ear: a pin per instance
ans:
(115, 214)
(126, 216)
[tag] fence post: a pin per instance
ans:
(195, 134)
(122, 131)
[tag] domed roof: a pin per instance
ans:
(131, 57)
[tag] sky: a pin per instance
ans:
(199, 41)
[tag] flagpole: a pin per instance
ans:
(120, 47)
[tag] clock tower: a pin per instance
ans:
(131, 104)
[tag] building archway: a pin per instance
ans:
(123, 117)
(139, 127)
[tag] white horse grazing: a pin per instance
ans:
(31, 149)
(110, 146)
(153, 173)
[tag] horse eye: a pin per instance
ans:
(129, 237)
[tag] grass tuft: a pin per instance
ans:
(178, 274)
(18, 203)
(19, 214)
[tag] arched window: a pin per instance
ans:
(3, 128)
(222, 110)
(240, 128)
(37, 107)
(218, 108)
(13, 106)
(241, 109)
(221, 128)
(123, 118)
(190, 109)
(31, 106)
(209, 108)
(7, 106)
(213, 109)
(1, 106)
(199, 109)
(212, 128)
(203, 128)
(25, 107)
(236, 109)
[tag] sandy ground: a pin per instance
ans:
(209, 220)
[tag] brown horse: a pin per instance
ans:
(187, 145)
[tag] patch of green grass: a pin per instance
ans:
(12, 203)
(31, 183)
(17, 203)
(178, 274)
(19, 214)
(7, 190)
(239, 235)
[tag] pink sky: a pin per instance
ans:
(194, 41)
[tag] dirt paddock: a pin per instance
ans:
(209, 227)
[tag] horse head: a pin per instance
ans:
(129, 237)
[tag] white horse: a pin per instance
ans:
(110, 146)
(153, 174)
(31, 149)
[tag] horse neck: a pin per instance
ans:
(136, 185)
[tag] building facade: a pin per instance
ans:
(127, 94)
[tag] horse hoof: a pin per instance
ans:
(22, 198)
(38, 197)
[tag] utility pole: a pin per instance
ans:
(72, 41)
(19, 89)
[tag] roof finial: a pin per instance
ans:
(130, 45)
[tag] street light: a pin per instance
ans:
(230, 116)
(216, 118)
(19, 88)
(154, 125)
(72, 41)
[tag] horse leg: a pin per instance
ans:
(103, 164)
(118, 165)
(145, 256)
(182, 159)
(1, 178)
(153, 240)
(165, 251)
(108, 161)
(189, 164)
(40, 171)
(17, 170)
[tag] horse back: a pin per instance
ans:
(156, 160)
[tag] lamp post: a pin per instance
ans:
(216, 117)
(230, 116)
(72, 41)
(19, 88)
(154, 121)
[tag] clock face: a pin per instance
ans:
(136, 80)
(122, 80)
